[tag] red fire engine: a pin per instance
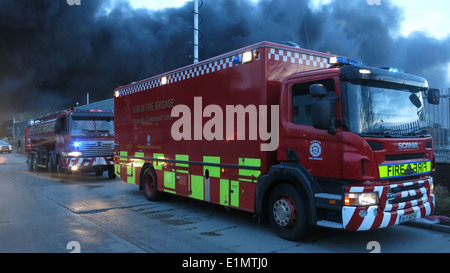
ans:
(71, 141)
(301, 137)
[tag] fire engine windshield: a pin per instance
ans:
(383, 109)
(85, 126)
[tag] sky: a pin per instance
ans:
(431, 16)
(53, 53)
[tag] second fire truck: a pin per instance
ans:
(71, 141)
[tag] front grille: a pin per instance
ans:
(405, 199)
(404, 156)
(404, 195)
(97, 148)
(400, 179)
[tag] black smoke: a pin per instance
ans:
(52, 54)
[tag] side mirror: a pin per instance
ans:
(60, 126)
(433, 96)
(321, 107)
(415, 100)
(318, 90)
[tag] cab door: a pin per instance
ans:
(319, 151)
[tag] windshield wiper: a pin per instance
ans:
(384, 132)
(389, 132)
(421, 131)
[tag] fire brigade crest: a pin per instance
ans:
(315, 150)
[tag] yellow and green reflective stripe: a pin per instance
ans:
(158, 165)
(224, 191)
(121, 159)
(197, 187)
(213, 171)
(234, 193)
(250, 162)
(182, 158)
(131, 167)
(169, 180)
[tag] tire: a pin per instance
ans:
(35, 166)
(150, 187)
(30, 162)
(51, 166)
(111, 173)
(62, 176)
(287, 212)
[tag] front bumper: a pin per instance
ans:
(6, 149)
(398, 203)
(362, 218)
(87, 164)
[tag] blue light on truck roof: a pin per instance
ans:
(392, 69)
(343, 60)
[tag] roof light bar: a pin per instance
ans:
(343, 61)
(392, 69)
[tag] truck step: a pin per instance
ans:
(329, 224)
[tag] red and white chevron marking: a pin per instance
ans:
(89, 161)
(389, 213)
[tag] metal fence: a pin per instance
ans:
(438, 120)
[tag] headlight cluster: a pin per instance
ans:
(75, 154)
(361, 199)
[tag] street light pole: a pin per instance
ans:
(195, 31)
(13, 125)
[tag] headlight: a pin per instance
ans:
(75, 154)
(361, 199)
(431, 187)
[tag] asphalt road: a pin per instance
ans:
(91, 214)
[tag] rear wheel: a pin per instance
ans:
(287, 212)
(111, 173)
(62, 176)
(34, 158)
(30, 162)
(149, 183)
(51, 167)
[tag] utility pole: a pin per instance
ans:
(196, 31)
(13, 125)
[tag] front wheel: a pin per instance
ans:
(287, 212)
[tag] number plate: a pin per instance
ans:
(404, 169)
(408, 217)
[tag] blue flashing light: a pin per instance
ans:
(237, 60)
(343, 60)
(76, 144)
(392, 69)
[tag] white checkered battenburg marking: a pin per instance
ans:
(297, 58)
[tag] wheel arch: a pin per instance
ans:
(291, 173)
(141, 175)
